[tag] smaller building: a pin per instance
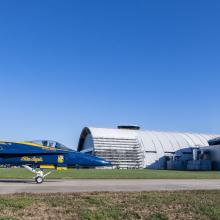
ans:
(214, 149)
(199, 158)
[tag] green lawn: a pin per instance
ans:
(20, 173)
(201, 205)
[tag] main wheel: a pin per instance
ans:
(39, 179)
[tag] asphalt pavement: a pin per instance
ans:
(68, 186)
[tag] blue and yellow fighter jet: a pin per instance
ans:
(36, 156)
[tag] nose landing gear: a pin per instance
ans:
(40, 176)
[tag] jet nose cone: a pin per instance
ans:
(101, 162)
(86, 160)
(106, 163)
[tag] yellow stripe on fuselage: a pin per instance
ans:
(29, 143)
(37, 145)
(47, 167)
(53, 167)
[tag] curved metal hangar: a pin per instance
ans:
(130, 147)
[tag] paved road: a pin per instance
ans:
(53, 186)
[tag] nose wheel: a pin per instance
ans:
(39, 179)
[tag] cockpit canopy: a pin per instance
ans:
(49, 143)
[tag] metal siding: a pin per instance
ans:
(165, 141)
(147, 142)
(150, 158)
(202, 139)
(181, 140)
(187, 139)
(196, 141)
(174, 140)
(158, 144)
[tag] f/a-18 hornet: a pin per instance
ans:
(36, 156)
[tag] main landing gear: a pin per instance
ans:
(40, 176)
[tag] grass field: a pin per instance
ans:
(108, 206)
(19, 173)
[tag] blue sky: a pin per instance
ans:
(69, 64)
